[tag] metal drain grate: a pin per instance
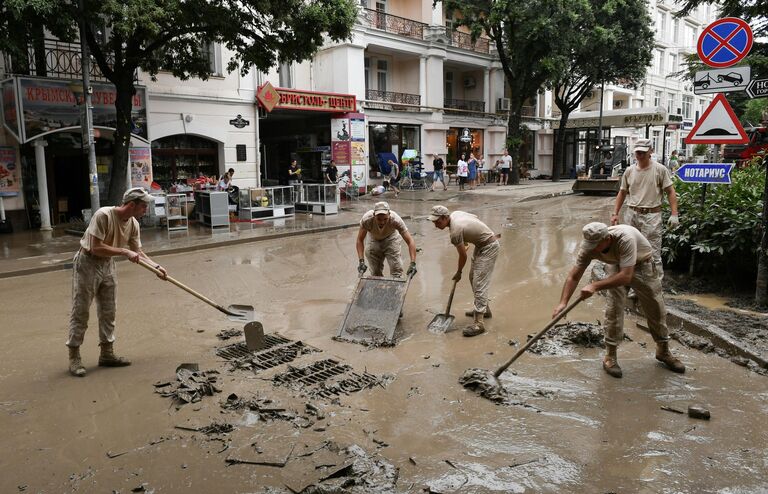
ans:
(318, 378)
(239, 351)
(266, 359)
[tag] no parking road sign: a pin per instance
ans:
(725, 42)
(706, 173)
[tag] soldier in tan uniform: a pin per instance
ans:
(386, 228)
(629, 262)
(467, 229)
(643, 187)
(113, 231)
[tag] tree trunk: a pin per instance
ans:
(761, 288)
(559, 147)
(123, 104)
(514, 141)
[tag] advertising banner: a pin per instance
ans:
(141, 167)
(341, 153)
(49, 105)
(9, 172)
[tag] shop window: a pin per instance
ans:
(182, 157)
(392, 138)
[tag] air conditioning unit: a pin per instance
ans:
(470, 82)
(618, 103)
(502, 104)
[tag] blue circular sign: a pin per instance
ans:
(725, 42)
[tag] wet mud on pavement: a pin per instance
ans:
(567, 428)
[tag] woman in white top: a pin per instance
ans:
(462, 171)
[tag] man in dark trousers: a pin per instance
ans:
(331, 173)
(438, 165)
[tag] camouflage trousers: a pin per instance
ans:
(92, 277)
(650, 226)
(483, 261)
(389, 249)
(647, 285)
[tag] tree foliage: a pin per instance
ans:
(527, 36)
(613, 45)
(172, 35)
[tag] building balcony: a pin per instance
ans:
(55, 59)
(394, 101)
(464, 41)
(393, 24)
(464, 105)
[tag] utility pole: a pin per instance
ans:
(87, 117)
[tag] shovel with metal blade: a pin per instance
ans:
(441, 323)
(242, 313)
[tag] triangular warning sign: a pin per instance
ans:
(718, 125)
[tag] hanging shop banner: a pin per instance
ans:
(49, 105)
(10, 108)
(141, 167)
(357, 127)
(9, 172)
(278, 98)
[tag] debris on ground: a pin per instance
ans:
(672, 409)
(485, 384)
(328, 378)
(698, 412)
(226, 334)
(190, 386)
(692, 341)
(570, 334)
(266, 409)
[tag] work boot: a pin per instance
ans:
(611, 363)
(487, 315)
(664, 356)
(477, 327)
(75, 364)
(107, 358)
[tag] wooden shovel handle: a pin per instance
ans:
(450, 298)
(186, 288)
(536, 337)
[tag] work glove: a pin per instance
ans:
(361, 267)
(412, 269)
(457, 276)
(673, 221)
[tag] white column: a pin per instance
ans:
(423, 80)
(489, 107)
(42, 186)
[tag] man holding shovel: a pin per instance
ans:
(386, 227)
(467, 229)
(113, 231)
(629, 261)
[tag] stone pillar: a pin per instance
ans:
(423, 80)
(42, 186)
(490, 107)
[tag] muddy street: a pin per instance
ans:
(567, 426)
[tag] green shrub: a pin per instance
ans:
(725, 231)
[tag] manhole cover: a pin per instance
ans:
(239, 351)
(326, 378)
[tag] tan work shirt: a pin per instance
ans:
(645, 187)
(466, 228)
(395, 223)
(629, 247)
(111, 230)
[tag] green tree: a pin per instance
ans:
(125, 35)
(753, 112)
(613, 45)
(527, 37)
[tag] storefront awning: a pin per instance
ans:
(633, 117)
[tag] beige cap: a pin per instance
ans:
(136, 193)
(594, 233)
(643, 145)
(381, 208)
(437, 212)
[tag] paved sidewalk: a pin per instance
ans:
(33, 251)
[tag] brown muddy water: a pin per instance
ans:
(568, 428)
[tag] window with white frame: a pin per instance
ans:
(367, 64)
(656, 98)
(676, 30)
(381, 74)
(285, 71)
(687, 107)
(672, 62)
(671, 103)
(658, 61)
(661, 24)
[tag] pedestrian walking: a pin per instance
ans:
(629, 262)
(643, 186)
(506, 164)
(386, 229)
(674, 161)
(462, 171)
(113, 231)
(438, 174)
(465, 229)
(394, 177)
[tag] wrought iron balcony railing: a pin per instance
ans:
(392, 97)
(464, 41)
(393, 24)
(55, 59)
(464, 104)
